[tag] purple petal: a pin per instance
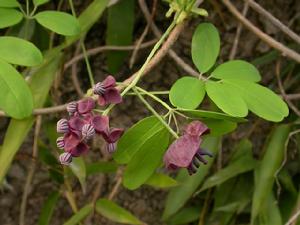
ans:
(112, 95)
(79, 149)
(86, 105)
(113, 135)
(101, 101)
(100, 123)
(182, 151)
(76, 124)
(109, 82)
(196, 128)
(71, 141)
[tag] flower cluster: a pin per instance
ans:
(185, 151)
(83, 124)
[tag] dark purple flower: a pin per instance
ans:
(111, 136)
(72, 108)
(100, 123)
(72, 140)
(62, 126)
(80, 149)
(87, 131)
(65, 158)
(85, 106)
(107, 91)
(60, 142)
(185, 151)
(76, 124)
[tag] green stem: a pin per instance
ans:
(86, 59)
(154, 97)
(27, 7)
(33, 11)
(155, 113)
(152, 53)
(151, 92)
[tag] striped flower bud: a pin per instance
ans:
(60, 142)
(99, 89)
(72, 108)
(111, 147)
(62, 126)
(88, 131)
(65, 158)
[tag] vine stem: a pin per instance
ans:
(151, 109)
(152, 53)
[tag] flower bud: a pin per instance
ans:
(111, 147)
(72, 108)
(65, 158)
(99, 89)
(62, 126)
(88, 131)
(60, 142)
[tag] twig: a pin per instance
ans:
(293, 218)
(141, 39)
(97, 50)
(31, 170)
(74, 73)
(205, 208)
(258, 8)
(117, 185)
(238, 33)
(158, 34)
(293, 96)
(281, 88)
(263, 36)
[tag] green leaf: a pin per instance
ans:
(228, 99)
(39, 2)
(205, 46)
(239, 166)
(9, 3)
(270, 213)
(261, 100)
(78, 168)
(199, 114)
(179, 195)
(160, 180)
(115, 213)
(219, 127)
(10, 17)
(187, 93)
(120, 24)
(80, 215)
(20, 52)
(48, 208)
(237, 69)
(271, 162)
(39, 83)
(185, 216)
(101, 167)
(59, 22)
(16, 98)
(135, 137)
(146, 160)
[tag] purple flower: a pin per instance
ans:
(60, 142)
(62, 126)
(111, 136)
(185, 152)
(87, 131)
(65, 158)
(85, 106)
(107, 91)
(100, 123)
(72, 108)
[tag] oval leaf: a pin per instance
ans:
(146, 160)
(135, 137)
(59, 22)
(115, 213)
(20, 52)
(261, 100)
(219, 127)
(228, 99)
(9, 3)
(237, 69)
(78, 168)
(205, 46)
(80, 215)
(187, 93)
(160, 180)
(9, 17)
(16, 99)
(39, 2)
(101, 167)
